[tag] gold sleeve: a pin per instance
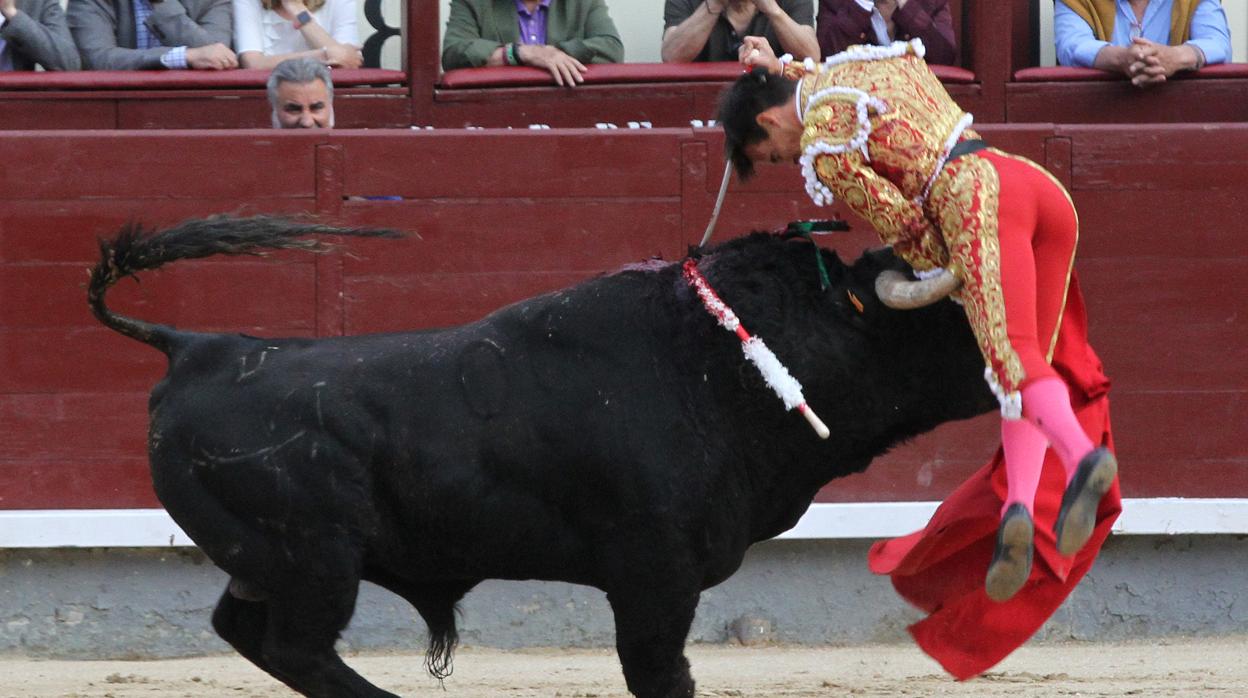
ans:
(833, 132)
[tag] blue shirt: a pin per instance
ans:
(1077, 44)
(174, 58)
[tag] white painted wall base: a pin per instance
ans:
(152, 528)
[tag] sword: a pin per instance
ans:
(719, 203)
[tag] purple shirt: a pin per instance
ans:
(532, 25)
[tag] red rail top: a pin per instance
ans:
(616, 73)
(1066, 74)
(177, 79)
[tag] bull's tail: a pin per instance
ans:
(134, 251)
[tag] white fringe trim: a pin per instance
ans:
(963, 124)
(818, 192)
(1011, 403)
(774, 373)
(859, 52)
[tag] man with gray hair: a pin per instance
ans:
(301, 93)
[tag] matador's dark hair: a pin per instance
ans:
(739, 106)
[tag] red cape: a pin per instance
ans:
(941, 568)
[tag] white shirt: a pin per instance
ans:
(258, 29)
(877, 22)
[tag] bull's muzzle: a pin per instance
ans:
(900, 293)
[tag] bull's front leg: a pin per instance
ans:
(651, 625)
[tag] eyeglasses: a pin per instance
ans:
(1137, 30)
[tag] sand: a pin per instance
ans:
(1189, 667)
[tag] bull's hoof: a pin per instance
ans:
(244, 591)
(1011, 561)
(1077, 518)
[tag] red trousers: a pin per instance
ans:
(1011, 232)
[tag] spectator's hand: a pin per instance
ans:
(767, 8)
(294, 7)
(1152, 62)
(756, 50)
(8, 8)
(343, 56)
(566, 70)
(211, 57)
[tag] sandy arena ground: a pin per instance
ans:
(1169, 668)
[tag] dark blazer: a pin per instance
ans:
(104, 30)
(842, 23)
(580, 28)
(39, 34)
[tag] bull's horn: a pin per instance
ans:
(900, 293)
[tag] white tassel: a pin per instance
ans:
(1011, 403)
(774, 373)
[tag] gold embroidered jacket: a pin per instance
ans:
(878, 124)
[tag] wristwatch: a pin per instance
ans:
(302, 18)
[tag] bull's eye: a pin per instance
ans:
(854, 299)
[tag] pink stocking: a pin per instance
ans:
(1046, 404)
(1024, 459)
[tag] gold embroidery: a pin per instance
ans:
(905, 143)
(964, 199)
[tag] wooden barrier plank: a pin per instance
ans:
(224, 294)
(113, 483)
(1133, 224)
(59, 113)
(394, 303)
(1168, 324)
(73, 427)
(523, 163)
(467, 235)
(159, 165)
(66, 230)
(1187, 158)
(582, 107)
(1120, 102)
(252, 110)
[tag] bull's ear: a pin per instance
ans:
(851, 305)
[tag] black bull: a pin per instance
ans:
(608, 434)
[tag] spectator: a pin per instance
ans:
(301, 93)
(881, 22)
(152, 34)
(1146, 40)
(35, 31)
(267, 32)
(559, 36)
(713, 30)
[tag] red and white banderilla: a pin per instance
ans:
(774, 373)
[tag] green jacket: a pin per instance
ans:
(580, 28)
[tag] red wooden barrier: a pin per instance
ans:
(501, 215)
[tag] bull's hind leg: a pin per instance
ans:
(650, 632)
(304, 621)
(242, 624)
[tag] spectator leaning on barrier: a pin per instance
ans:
(301, 93)
(1146, 40)
(35, 32)
(152, 34)
(713, 30)
(881, 22)
(267, 32)
(558, 36)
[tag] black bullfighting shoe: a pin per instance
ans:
(1077, 517)
(1011, 561)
